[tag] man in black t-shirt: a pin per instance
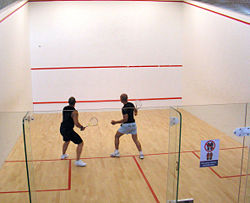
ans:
(70, 119)
(128, 126)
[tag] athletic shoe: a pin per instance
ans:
(64, 156)
(141, 156)
(115, 154)
(80, 163)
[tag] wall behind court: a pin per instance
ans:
(93, 34)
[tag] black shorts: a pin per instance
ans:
(70, 135)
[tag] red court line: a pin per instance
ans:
(109, 100)
(47, 160)
(52, 190)
(69, 176)
(220, 149)
(63, 68)
(49, 190)
(232, 18)
(108, 67)
(235, 176)
(24, 191)
(70, 161)
(217, 174)
(155, 154)
(146, 180)
(132, 0)
(227, 16)
(208, 167)
(13, 12)
(129, 155)
(196, 155)
(34, 160)
(233, 148)
(109, 0)
(13, 192)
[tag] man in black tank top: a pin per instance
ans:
(70, 119)
(128, 126)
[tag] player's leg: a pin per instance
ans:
(138, 145)
(78, 161)
(117, 139)
(66, 140)
(117, 142)
(136, 141)
(64, 149)
(79, 151)
(78, 140)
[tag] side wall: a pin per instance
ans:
(109, 34)
(216, 56)
(15, 77)
(216, 65)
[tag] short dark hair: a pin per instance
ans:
(72, 101)
(124, 97)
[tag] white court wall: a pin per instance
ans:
(213, 49)
(106, 83)
(15, 77)
(224, 117)
(216, 66)
(83, 34)
(216, 56)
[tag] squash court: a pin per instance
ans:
(167, 54)
(124, 179)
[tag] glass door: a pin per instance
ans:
(28, 157)
(174, 145)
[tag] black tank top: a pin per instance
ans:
(67, 122)
(129, 109)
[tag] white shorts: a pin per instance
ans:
(128, 128)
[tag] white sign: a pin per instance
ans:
(245, 131)
(209, 153)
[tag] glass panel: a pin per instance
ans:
(206, 129)
(173, 154)
(247, 190)
(52, 179)
(244, 189)
(28, 157)
(13, 184)
(144, 180)
(247, 187)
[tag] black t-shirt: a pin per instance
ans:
(129, 109)
(67, 122)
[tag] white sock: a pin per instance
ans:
(116, 151)
(140, 152)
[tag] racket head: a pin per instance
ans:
(138, 104)
(92, 121)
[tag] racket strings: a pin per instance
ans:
(138, 104)
(93, 121)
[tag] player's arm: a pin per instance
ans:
(136, 111)
(74, 116)
(125, 119)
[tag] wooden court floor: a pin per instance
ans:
(126, 179)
